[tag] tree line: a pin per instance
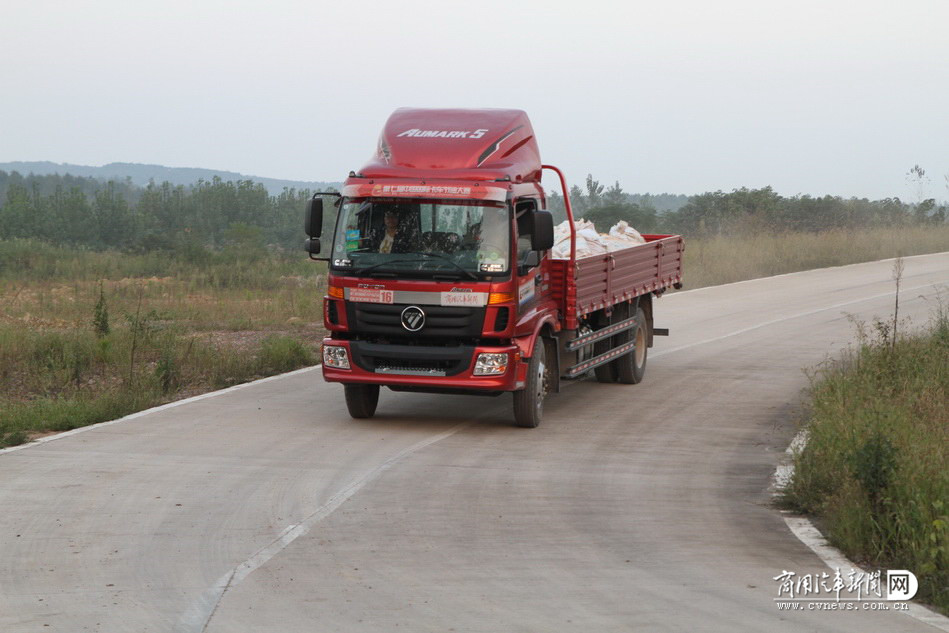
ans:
(743, 211)
(214, 214)
(87, 212)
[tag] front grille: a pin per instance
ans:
(413, 367)
(424, 360)
(382, 318)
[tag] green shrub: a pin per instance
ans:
(100, 317)
(167, 373)
(13, 438)
(874, 462)
(284, 353)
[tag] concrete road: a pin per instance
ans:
(631, 508)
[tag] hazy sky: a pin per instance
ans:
(835, 96)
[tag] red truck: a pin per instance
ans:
(441, 278)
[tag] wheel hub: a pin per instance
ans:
(541, 384)
(640, 349)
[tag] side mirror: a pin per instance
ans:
(312, 246)
(313, 220)
(542, 238)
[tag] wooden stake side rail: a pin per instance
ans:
(601, 334)
(604, 280)
(601, 359)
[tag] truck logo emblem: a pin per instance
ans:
(413, 318)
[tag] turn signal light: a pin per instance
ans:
(335, 292)
(500, 297)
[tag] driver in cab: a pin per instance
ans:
(392, 238)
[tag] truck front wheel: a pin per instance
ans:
(529, 402)
(361, 400)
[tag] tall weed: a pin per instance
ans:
(876, 463)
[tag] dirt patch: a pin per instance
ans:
(250, 340)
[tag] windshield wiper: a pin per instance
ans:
(362, 271)
(453, 263)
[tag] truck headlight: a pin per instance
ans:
(335, 356)
(490, 364)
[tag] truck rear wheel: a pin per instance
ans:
(604, 373)
(529, 402)
(361, 400)
(631, 367)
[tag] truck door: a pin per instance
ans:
(528, 260)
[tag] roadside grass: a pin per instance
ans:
(79, 382)
(90, 336)
(48, 286)
(46, 414)
(725, 259)
(875, 468)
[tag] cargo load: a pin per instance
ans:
(590, 243)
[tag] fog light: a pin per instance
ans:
(490, 364)
(335, 356)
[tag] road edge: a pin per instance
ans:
(161, 407)
(807, 533)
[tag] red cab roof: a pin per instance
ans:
(489, 144)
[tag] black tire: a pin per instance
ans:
(529, 402)
(604, 373)
(361, 400)
(631, 367)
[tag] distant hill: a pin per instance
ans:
(141, 174)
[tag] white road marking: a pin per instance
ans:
(197, 618)
(799, 272)
(805, 531)
(787, 318)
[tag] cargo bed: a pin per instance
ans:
(604, 280)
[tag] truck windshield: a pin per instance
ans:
(422, 237)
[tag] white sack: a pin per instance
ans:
(590, 243)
